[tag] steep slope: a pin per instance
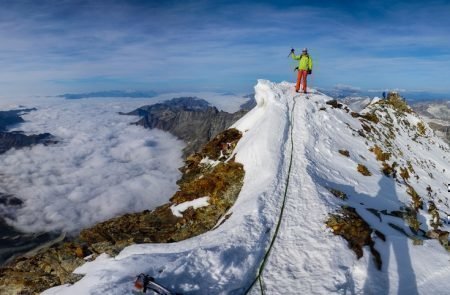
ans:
(306, 257)
(333, 201)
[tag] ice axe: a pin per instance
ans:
(292, 52)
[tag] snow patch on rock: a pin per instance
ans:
(178, 210)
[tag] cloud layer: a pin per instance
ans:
(101, 168)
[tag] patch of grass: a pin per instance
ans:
(404, 174)
(421, 130)
(363, 170)
(411, 218)
(410, 167)
(397, 103)
(372, 117)
(416, 199)
(380, 155)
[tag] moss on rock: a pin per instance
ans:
(363, 170)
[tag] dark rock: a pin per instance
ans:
(338, 193)
(191, 119)
(334, 103)
(10, 140)
(10, 200)
(345, 153)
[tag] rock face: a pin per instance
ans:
(191, 119)
(10, 140)
(211, 173)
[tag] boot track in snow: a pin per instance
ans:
(259, 277)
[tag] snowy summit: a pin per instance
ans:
(333, 202)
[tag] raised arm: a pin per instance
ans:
(296, 57)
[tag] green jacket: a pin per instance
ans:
(305, 61)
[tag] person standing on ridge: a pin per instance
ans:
(304, 68)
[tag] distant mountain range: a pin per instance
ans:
(110, 93)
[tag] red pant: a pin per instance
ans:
(301, 77)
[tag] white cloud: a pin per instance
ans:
(102, 167)
(347, 87)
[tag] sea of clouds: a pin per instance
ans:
(102, 166)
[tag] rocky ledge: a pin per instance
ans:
(211, 173)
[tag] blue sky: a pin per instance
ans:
(52, 47)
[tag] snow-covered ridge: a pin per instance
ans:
(306, 258)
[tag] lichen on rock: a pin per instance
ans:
(348, 224)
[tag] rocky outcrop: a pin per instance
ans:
(191, 119)
(348, 224)
(10, 140)
(211, 173)
(16, 140)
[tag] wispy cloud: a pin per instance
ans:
(199, 45)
